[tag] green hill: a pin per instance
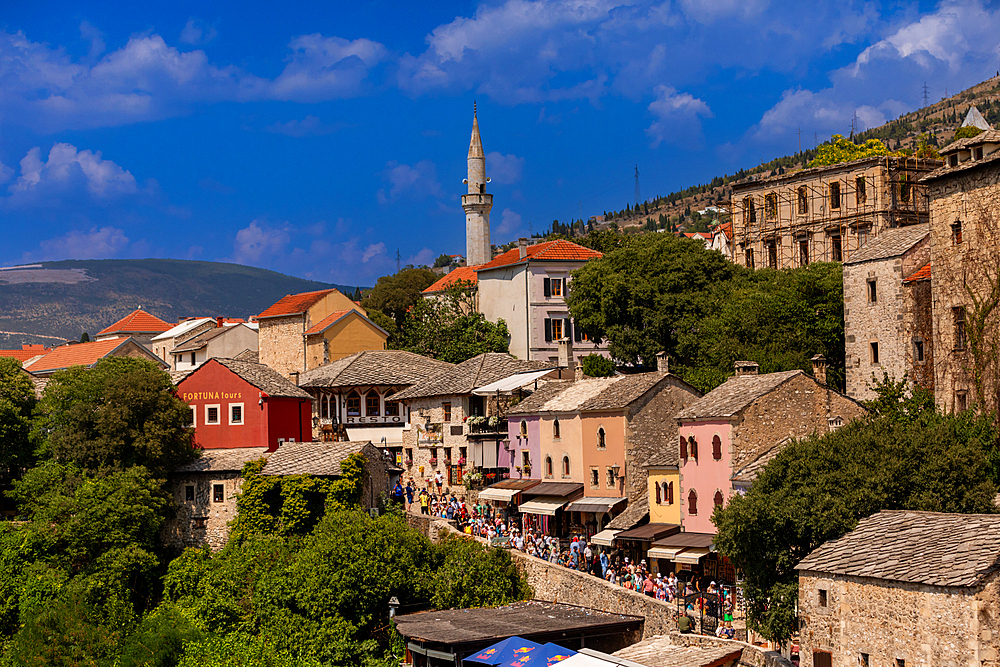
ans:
(64, 299)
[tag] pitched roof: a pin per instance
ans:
(624, 392)
(589, 394)
(975, 119)
(478, 371)
(549, 251)
(321, 459)
(748, 473)
(466, 273)
(660, 651)
(969, 165)
(294, 304)
(930, 548)
(265, 378)
(182, 328)
(374, 367)
(26, 352)
(223, 460)
(923, 273)
(890, 243)
(199, 341)
(248, 355)
(735, 394)
(80, 354)
(335, 317)
(138, 321)
(636, 512)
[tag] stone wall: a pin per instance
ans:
(421, 470)
(201, 521)
(281, 345)
(920, 312)
(889, 621)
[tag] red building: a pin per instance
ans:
(244, 404)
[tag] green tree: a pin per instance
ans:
(85, 337)
(17, 400)
(119, 414)
(394, 295)
(839, 149)
(598, 366)
(442, 260)
(471, 575)
(967, 132)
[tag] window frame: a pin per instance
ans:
(595, 477)
(548, 467)
(393, 405)
(771, 205)
(861, 190)
(834, 192)
(566, 466)
(873, 353)
(242, 420)
(378, 404)
(719, 499)
(218, 414)
(556, 328)
(802, 200)
(356, 400)
(961, 339)
(556, 430)
(602, 438)
(872, 290)
(557, 287)
(692, 503)
(610, 474)
(189, 493)
(446, 407)
(218, 493)
(716, 447)
(956, 233)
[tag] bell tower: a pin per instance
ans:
(477, 203)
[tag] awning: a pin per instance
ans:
(595, 505)
(648, 533)
(542, 505)
(605, 538)
(560, 489)
(691, 555)
(509, 384)
(503, 495)
(393, 435)
(668, 553)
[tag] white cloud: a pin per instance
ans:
(321, 68)
(677, 117)
(197, 33)
(93, 244)
(96, 38)
(257, 241)
(504, 169)
(710, 11)
(425, 257)
(67, 170)
(310, 126)
(373, 250)
(6, 173)
(510, 222)
(418, 180)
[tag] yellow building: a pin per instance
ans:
(340, 335)
(664, 483)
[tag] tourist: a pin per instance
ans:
(424, 502)
(684, 624)
(648, 587)
(410, 489)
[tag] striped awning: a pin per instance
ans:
(605, 538)
(691, 555)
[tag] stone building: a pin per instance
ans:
(138, 325)
(451, 424)
(225, 341)
(204, 492)
(88, 354)
(285, 331)
(163, 343)
(341, 334)
(904, 589)
(887, 311)
(742, 420)
(477, 203)
(825, 214)
(965, 259)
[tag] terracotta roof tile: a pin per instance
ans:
(138, 321)
(333, 318)
(466, 273)
(293, 304)
(923, 273)
(550, 251)
(80, 354)
(26, 352)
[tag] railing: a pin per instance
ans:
(486, 429)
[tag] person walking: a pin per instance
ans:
(409, 493)
(425, 502)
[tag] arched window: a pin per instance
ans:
(565, 466)
(602, 442)
(391, 407)
(659, 498)
(684, 448)
(719, 499)
(692, 503)
(693, 447)
(555, 429)
(548, 465)
(354, 404)
(524, 428)
(372, 404)
(716, 447)
(669, 492)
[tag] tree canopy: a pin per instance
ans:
(17, 401)
(839, 149)
(394, 295)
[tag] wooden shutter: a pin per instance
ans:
(548, 287)
(567, 328)
(684, 448)
(670, 493)
(576, 334)
(694, 448)
(716, 448)
(548, 328)
(658, 497)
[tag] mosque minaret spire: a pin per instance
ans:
(477, 203)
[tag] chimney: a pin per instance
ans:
(566, 354)
(294, 377)
(746, 368)
(819, 368)
(662, 362)
(522, 248)
(218, 322)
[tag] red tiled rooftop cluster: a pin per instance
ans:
(293, 304)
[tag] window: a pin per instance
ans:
(836, 249)
(900, 662)
(874, 353)
(192, 359)
(822, 597)
(862, 234)
(865, 660)
(391, 407)
(372, 404)
(693, 447)
(684, 448)
(555, 430)
(409, 453)
(822, 658)
(918, 350)
(749, 212)
(861, 189)
(434, 453)
(218, 493)
(958, 316)
(199, 522)
(719, 499)
(834, 195)
(961, 401)
(956, 233)
(611, 477)
(524, 428)
(354, 404)
(803, 252)
(803, 200)
(979, 153)
(602, 442)
(548, 466)
(872, 291)
(211, 414)
(749, 257)
(772, 255)
(659, 496)
(447, 411)
(953, 160)
(595, 481)
(565, 466)
(904, 188)
(553, 287)
(692, 503)
(194, 417)
(189, 492)
(771, 206)
(557, 287)
(716, 447)
(557, 329)
(235, 413)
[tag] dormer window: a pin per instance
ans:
(977, 153)
(953, 160)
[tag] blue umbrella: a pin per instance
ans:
(506, 652)
(553, 654)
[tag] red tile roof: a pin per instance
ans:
(26, 352)
(81, 354)
(923, 273)
(554, 251)
(467, 273)
(726, 229)
(293, 304)
(333, 318)
(138, 321)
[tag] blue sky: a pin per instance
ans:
(317, 138)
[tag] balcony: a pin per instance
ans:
(484, 428)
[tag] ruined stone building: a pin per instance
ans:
(903, 589)
(887, 311)
(825, 214)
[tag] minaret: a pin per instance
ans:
(477, 203)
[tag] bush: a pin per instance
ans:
(597, 366)
(159, 640)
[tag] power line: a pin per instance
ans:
(926, 93)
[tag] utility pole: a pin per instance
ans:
(800, 139)
(397, 260)
(926, 94)
(637, 186)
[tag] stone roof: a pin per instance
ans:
(478, 371)
(660, 651)
(626, 390)
(930, 548)
(539, 397)
(265, 378)
(989, 136)
(634, 514)
(990, 160)
(200, 341)
(589, 394)
(890, 243)
(320, 459)
(295, 304)
(223, 460)
(374, 367)
(182, 328)
(248, 355)
(178, 376)
(735, 394)
(748, 473)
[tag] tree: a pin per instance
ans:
(967, 132)
(597, 366)
(85, 337)
(442, 260)
(818, 489)
(119, 414)
(839, 149)
(394, 295)
(471, 575)
(17, 400)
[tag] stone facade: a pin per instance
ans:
(896, 623)
(281, 343)
(826, 213)
(201, 520)
(446, 438)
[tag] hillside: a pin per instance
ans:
(64, 299)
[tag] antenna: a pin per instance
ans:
(800, 139)
(637, 185)
(397, 260)
(926, 93)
